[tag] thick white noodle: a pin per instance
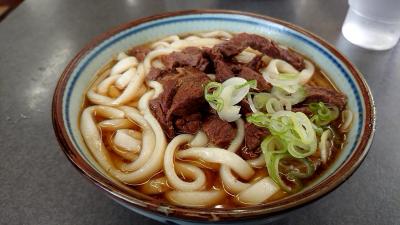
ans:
(194, 41)
(199, 140)
(197, 175)
(258, 192)
(154, 164)
(306, 74)
(130, 82)
(152, 55)
(276, 66)
(123, 140)
(148, 139)
(325, 145)
(196, 198)
(131, 91)
(98, 99)
(123, 81)
(123, 65)
(121, 55)
(347, 119)
(216, 34)
(171, 38)
(221, 156)
(103, 87)
(115, 124)
(160, 45)
(158, 88)
(94, 142)
(258, 162)
(230, 182)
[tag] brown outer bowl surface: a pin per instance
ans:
(142, 202)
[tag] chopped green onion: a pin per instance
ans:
(213, 85)
(292, 137)
(273, 105)
(323, 114)
(292, 98)
(300, 150)
(260, 100)
(318, 130)
(291, 173)
(251, 83)
(293, 128)
(260, 119)
(278, 127)
(288, 76)
(212, 92)
(273, 144)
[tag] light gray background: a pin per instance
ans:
(39, 186)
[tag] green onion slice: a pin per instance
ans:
(323, 114)
(292, 170)
(250, 83)
(212, 92)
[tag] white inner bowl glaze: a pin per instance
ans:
(151, 31)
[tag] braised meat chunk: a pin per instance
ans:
(241, 41)
(249, 74)
(219, 132)
(190, 56)
(189, 97)
(253, 137)
(178, 105)
(189, 124)
(325, 95)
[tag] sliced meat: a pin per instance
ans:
(249, 74)
(222, 67)
(223, 71)
(190, 56)
(189, 97)
(325, 95)
(170, 87)
(253, 137)
(161, 105)
(245, 107)
(177, 107)
(219, 132)
(159, 114)
(139, 52)
(189, 124)
(157, 74)
(241, 41)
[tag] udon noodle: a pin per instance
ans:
(128, 141)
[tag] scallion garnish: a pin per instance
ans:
(212, 92)
(323, 114)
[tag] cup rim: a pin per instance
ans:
(324, 187)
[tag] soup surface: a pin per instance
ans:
(214, 119)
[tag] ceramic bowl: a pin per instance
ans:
(71, 87)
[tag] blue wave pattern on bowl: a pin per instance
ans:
(153, 30)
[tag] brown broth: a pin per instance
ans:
(211, 169)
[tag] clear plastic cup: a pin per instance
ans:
(373, 24)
